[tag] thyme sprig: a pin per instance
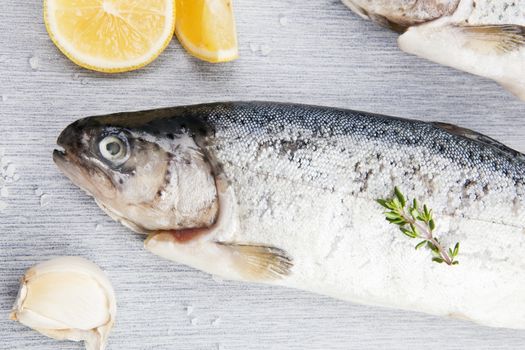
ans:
(417, 222)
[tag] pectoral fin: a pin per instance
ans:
(244, 262)
(495, 38)
(259, 262)
(492, 51)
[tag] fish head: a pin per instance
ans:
(147, 179)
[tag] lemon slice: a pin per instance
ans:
(110, 35)
(206, 29)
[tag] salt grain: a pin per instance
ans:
(265, 50)
(216, 321)
(254, 47)
(10, 170)
(34, 62)
(189, 310)
(193, 321)
(39, 192)
(283, 20)
(3, 205)
(4, 192)
(217, 279)
(45, 199)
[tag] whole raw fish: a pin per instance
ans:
(483, 37)
(286, 194)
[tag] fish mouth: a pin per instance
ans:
(81, 172)
(71, 167)
(59, 156)
(62, 156)
(64, 159)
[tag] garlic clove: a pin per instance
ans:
(67, 298)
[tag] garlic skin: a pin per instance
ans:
(67, 298)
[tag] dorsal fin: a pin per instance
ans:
(476, 136)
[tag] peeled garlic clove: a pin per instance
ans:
(67, 298)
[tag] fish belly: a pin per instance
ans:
(341, 246)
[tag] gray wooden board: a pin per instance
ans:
(324, 54)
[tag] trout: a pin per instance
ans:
(287, 195)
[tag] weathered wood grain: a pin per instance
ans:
(323, 55)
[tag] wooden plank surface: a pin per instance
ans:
(313, 52)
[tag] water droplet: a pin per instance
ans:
(83, 82)
(283, 20)
(34, 62)
(265, 50)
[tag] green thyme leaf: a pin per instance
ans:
(408, 232)
(400, 197)
(382, 203)
(420, 244)
(456, 250)
(438, 260)
(431, 224)
(392, 215)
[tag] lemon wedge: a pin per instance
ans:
(110, 35)
(206, 29)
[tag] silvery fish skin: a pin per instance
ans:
(286, 194)
(483, 37)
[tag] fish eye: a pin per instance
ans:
(114, 149)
